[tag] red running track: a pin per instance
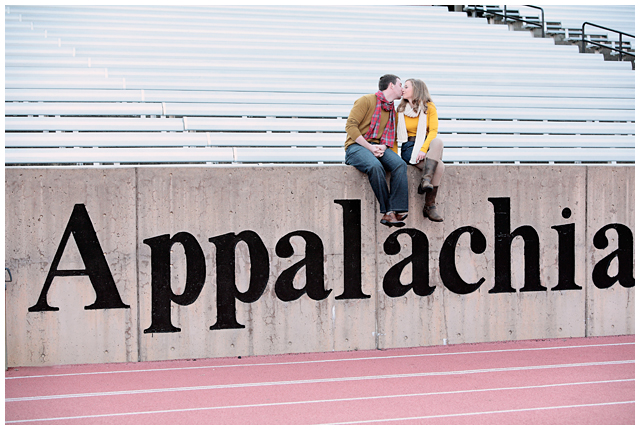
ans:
(564, 381)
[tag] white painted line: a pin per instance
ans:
(53, 375)
(315, 381)
(391, 396)
(546, 408)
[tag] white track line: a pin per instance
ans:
(315, 381)
(313, 361)
(391, 396)
(546, 408)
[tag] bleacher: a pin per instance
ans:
(565, 22)
(616, 17)
(98, 85)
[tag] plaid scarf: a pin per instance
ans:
(388, 135)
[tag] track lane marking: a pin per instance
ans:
(546, 408)
(315, 381)
(390, 396)
(314, 361)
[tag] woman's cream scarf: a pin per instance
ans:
(421, 133)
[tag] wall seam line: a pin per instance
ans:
(586, 263)
(137, 217)
(377, 277)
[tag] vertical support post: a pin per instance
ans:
(620, 47)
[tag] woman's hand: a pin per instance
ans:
(421, 156)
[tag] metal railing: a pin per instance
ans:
(620, 33)
(511, 17)
(542, 25)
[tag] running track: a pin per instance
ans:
(566, 381)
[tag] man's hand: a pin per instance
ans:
(378, 150)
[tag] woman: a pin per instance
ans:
(418, 122)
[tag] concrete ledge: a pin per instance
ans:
(162, 263)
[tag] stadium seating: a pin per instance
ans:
(567, 21)
(266, 84)
(616, 17)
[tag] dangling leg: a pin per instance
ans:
(398, 192)
(429, 210)
(434, 158)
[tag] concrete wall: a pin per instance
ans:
(38, 205)
(167, 236)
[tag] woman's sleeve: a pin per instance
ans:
(432, 126)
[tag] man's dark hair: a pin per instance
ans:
(386, 80)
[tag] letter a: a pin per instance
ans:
(419, 260)
(96, 267)
(624, 254)
(313, 263)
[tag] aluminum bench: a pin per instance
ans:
(302, 111)
(442, 99)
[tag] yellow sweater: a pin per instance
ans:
(432, 126)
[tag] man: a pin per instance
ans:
(371, 148)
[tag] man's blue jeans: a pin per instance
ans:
(397, 198)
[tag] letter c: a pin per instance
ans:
(448, 272)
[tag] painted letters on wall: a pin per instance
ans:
(177, 283)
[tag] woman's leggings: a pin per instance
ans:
(434, 152)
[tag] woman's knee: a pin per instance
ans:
(436, 144)
(435, 149)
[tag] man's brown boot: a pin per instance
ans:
(390, 219)
(428, 170)
(429, 210)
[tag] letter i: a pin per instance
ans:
(566, 254)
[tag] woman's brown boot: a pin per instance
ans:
(428, 170)
(429, 210)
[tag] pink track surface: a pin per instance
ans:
(565, 381)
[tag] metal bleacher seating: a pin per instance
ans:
(617, 17)
(566, 22)
(264, 84)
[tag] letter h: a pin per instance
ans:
(503, 241)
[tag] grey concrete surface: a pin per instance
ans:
(130, 208)
(38, 207)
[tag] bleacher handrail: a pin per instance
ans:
(620, 33)
(507, 18)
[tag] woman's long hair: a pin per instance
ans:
(421, 96)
